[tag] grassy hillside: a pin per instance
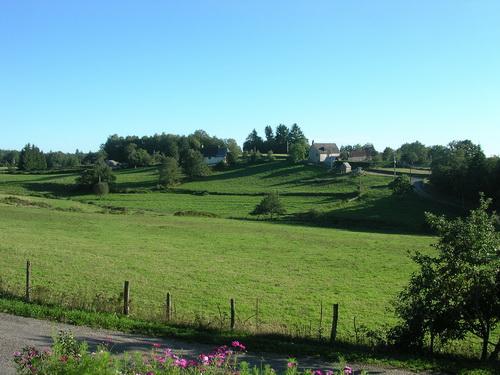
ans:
(233, 193)
(205, 262)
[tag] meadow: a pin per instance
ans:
(233, 193)
(205, 262)
(331, 247)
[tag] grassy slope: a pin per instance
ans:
(204, 262)
(235, 192)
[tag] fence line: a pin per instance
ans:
(170, 310)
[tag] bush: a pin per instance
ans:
(297, 152)
(255, 156)
(100, 172)
(169, 172)
(455, 292)
(401, 185)
(270, 205)
(101, 188)
(194, 165)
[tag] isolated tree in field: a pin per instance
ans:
(401, 185)
(194, 165)
(169, 172)
(31, 158)
(270, 205)
(99, 177)
(457, 291)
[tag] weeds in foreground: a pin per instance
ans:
(69, 356)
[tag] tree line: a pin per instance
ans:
(31, 158)
(282, 140)
(148, 150)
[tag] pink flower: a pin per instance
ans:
(347, 370)
(181, 363)
(291, 364)
(328, 372)
(317, 372)
(239, 345)
(156, 345)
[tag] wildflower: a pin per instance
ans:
(16, 354)
(291, 363)
(347, 370)
(156, 345)
(317, 372)
(328, 372)
(239, 345)
(182, 363)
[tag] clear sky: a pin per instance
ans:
(386, 72)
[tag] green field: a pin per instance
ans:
(78, 247)
(235, 192)
(204, 262)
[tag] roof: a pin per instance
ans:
(215, 152)
(357, 153)
(326, 148)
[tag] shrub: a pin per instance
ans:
(100, 172)
(401, 185)
(194, 165)
(101, 188)
(270, 205)
(297, 152)
(270, 155)
(169, 172)
(255, 156)
(455, 292)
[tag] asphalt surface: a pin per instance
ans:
(17, 332)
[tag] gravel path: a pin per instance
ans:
(17, 332)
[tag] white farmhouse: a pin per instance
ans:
(323, 153)
(213, 156)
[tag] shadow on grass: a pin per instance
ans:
(390, 214)
(52, 188)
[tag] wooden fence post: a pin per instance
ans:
(232, 314)
(257, 315)
(126, 298)
(335, 320)
(28, 280)
(167, 307)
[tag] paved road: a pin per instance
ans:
(17, 332)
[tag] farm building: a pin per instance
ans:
(323, 153)
(345, 168)
(113, 163)
(213, 156)
(359, 155)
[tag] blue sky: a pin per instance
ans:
(386, 72)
